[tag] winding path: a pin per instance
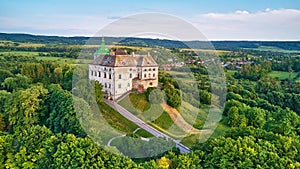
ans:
(112, 139)
(145, 126)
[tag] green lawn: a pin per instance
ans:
(57, 59)
(120, 123)
(281, 75)
(152, 114)
(139, 101)
(164, 121)
(230, 72)
(138, 105)
(20, 53)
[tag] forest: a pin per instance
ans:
(260, 125)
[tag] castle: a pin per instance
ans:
(120, 72)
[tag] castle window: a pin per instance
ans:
(151, 83)
(99, 74)
(149, 69)
(109, 76)
(119, 86)
(130, 69)
(145, 75)
(109, 69)
(104, 74)
(153, 74)
(105, 85)
(92, 73)
(149, 75)
(130, 75)
(105, 68)
(145, 70)
(153, 69)
(109, 85)
(120, 76)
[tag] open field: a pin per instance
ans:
(19, 44)
(281, 75)
(274, 49)
(230, 72)
(57, 59)
(20, 53)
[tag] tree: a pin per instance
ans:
(31, 144)
(5, 74)
(98, 91)
(256, 117)
(75, 152)
(163, 163)
(62, 117)
(156, 96)
(233, 117)
(6, 150)
(13, 83)
(22, 107)
(173, 97)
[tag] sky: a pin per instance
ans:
(215, 19)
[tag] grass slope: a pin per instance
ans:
(120, 123)
(281, 75)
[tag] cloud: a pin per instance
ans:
(241, 12)
(282, 24)
(66, 25)
(269, 24)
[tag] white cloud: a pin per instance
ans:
(269, 24)
(283, 24)
(241, 12)
(67, 25)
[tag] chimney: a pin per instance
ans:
(112, 52)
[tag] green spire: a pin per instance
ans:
(102, 50)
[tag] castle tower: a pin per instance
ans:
(102, 50)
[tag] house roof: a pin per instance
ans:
(122, 59)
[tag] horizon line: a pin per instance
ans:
(89, 36)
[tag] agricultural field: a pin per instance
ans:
(282, 75)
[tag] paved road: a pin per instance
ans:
(144, 125)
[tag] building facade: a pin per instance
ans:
(120, 72)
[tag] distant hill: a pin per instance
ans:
(147, 42)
